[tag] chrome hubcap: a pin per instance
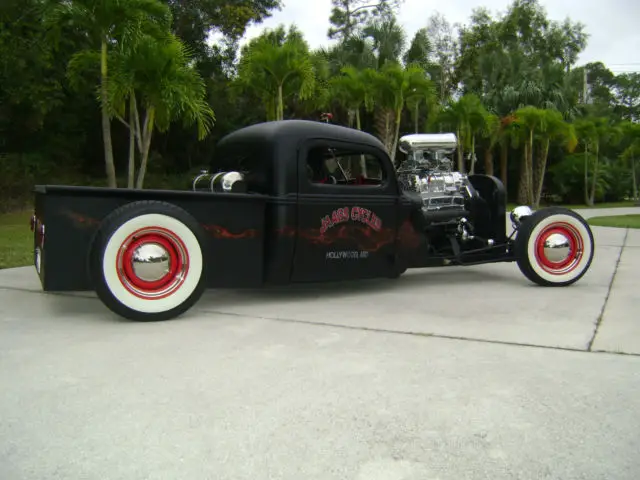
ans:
(151, 262)
(557, 247)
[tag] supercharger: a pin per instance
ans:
(428, 170)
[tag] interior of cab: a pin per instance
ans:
(342, 167)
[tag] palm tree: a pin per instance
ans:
(604, 132)
(158, 80)
(354, 51)
(350, 90)
(553, 128)
(632, 151)
(421, 89)
(491, 129)
(387, 39)
(109, 23)
(464, 116)
(389, 89)
(274, 66)
(529, 119)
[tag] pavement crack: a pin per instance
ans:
(606, 298)
(420, 334)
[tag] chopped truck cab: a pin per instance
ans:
(294, 201)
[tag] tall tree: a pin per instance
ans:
(530, 120)
(552, 129)
(444, 43)
(490, 132)
(108, 22)
(198, 22)
(465, 117)
(626, 88)
(160, 85)
(351, 90)
(348, 16)
(420, 50)
(631, 152)
(277, 64)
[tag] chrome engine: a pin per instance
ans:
(429, 171)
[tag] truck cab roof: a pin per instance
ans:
(288, 132)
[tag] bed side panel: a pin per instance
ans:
(233, 225)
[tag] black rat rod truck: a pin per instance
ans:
(294, 201)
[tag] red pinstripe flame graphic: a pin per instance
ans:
(366, 239)
(218, 231)
(81, 220)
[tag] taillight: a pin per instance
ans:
(38, 228)
(40, 233)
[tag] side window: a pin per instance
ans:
(344, 167)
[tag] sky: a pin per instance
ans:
(612, 25)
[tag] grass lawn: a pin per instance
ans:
(16, 239)
(619, 221)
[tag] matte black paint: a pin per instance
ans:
(233, 223)
(271, 235)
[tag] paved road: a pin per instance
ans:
(380, 380)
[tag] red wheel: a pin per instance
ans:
(152, 263)
(147, 261)
(554, 246)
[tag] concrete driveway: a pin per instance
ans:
(460, 373)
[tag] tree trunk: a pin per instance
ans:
(488, 161)
(106, 121)
(416, 117)
(280, 111)
(396, 134)
(633, 177)
(146, 143)
(530, 169)
(586, 176)
(592, 195)
(504, 160)
(132, 145)
(523, 187)
(350, 117)
(382, 122)
(541, 168)
(472, 154)
(460, 152)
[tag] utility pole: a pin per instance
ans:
(584, 86)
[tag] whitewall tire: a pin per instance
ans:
(147, 261)
(554, 247)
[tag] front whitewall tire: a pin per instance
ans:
(532, 257)
(585, 255)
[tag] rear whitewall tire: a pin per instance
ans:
(183, 292)
(532, 232)
(113, 275)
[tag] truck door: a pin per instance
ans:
(347, 212)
